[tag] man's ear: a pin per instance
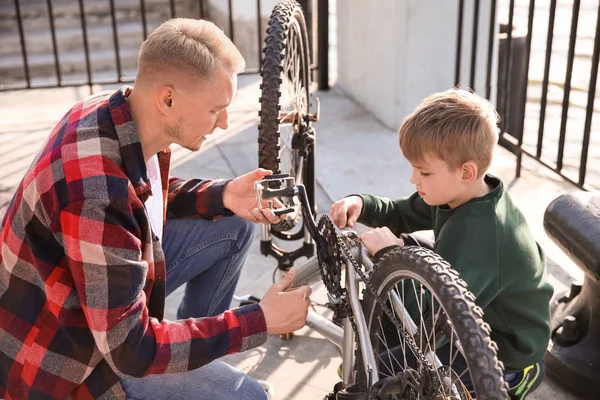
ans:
(164, 99)
(469, 172)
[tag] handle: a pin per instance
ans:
(277, 176)
(286, 192)
(281, 211)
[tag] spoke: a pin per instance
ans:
(419, 305)
(386, 345)
(386, 367)
(285, 117)
(390, 354)
(403, 340)
(434, 349)
(298, 83)
(384, 375)
(434, 318)
(451, 347)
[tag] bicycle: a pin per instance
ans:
(416, 332)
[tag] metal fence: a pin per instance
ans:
(60, 43)
(546, 107)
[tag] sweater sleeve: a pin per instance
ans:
(401, 216)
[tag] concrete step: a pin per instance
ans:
(69, 35)
(66, 12)
(72, 64)
(99, 37)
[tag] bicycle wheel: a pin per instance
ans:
(285, 139)
(448, 323)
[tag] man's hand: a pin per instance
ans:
(379, 238)
(285, 311)
(345, 212)
(240, 198)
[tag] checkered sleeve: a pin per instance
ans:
(196, 197)
(104, 252)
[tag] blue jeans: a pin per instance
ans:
(208, 256)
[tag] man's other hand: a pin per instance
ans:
(285, 311)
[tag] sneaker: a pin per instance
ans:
(531, 378)
(269, 389)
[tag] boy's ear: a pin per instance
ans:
(469, 172)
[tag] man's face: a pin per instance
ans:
(202, 111)
(436, 182)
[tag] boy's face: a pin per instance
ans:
(437, 183)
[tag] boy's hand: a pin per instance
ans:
(379, 238)
(345, 212)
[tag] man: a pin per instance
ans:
(86, 263)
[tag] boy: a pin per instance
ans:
(449, 140)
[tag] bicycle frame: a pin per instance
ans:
(309, 273)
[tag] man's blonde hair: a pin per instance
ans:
(195, 46)
(455, 125)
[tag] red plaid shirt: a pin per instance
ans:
(82, 276)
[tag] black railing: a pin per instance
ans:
(563, 147)
(120, 27)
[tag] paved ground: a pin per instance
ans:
(355, 154)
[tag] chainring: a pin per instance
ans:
(331, 257)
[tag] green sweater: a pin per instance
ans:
(488, 242)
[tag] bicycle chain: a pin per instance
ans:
(383, 304)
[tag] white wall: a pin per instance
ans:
(394, 53)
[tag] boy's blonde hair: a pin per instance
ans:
(197, 47)
(455, 125)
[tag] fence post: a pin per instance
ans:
(323, 43)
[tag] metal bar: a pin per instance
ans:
(548, 165)
(590, 104)
(201, 7)
(544, 98)
(524, 88)
(144, 24)
(567, 90)
(23, 45)
(259, 28)
(474, 44)
(507, 63)
(172, 6)
(230, 7)
(323, 43)
(206, 10)
(461, 10)
(325, 327)
(348, 354)
(95, 82)
(54, 46)
(488, 77)
(366, 347)
(86, 49)
(113, 19)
